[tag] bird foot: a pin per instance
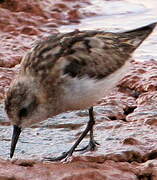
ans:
(90, 147)
(65, 156)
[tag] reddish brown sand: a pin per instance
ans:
(131, 109)
(84, 169)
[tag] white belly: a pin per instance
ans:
(84, 93)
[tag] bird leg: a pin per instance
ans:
(92, 143)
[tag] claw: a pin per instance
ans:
(64, 155)
(90, 147)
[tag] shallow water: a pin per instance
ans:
(57, 134)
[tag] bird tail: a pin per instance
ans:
(135, 37)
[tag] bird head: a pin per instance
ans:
(24, 108)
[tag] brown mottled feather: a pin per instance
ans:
(82, 53)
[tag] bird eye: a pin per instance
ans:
(23, 112)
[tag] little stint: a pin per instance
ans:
(66, 72)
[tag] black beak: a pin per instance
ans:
(15, 137)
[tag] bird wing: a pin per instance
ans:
(94, 54)
(83, 53)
